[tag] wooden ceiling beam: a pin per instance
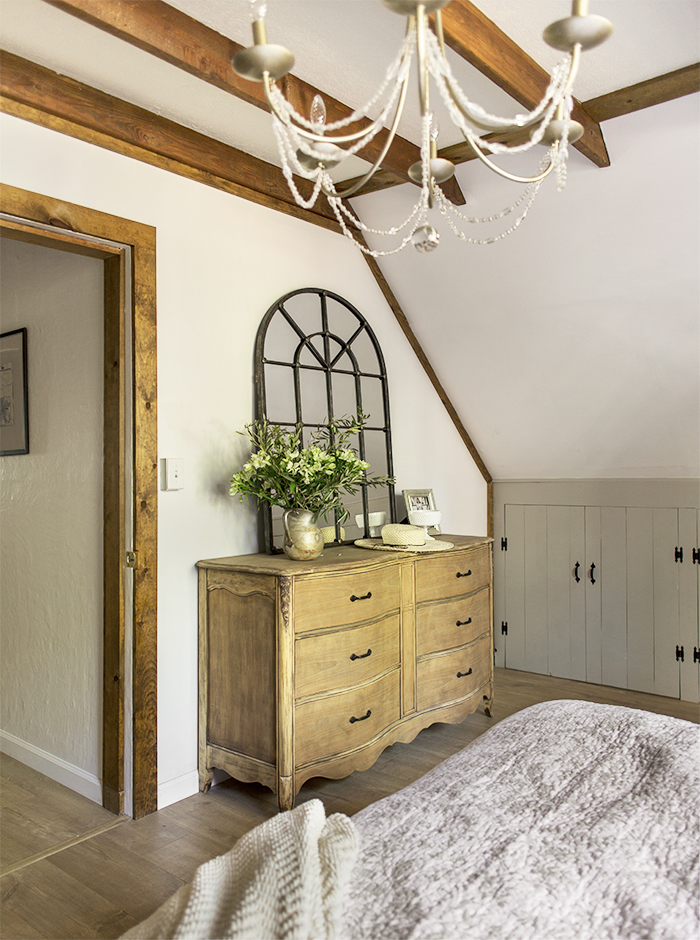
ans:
(477, 39)
(122, 126)
(685, 81)
(176, 38)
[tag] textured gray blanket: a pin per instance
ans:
(566, 820)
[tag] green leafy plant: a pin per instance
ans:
(283, 473)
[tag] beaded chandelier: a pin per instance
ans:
(309, 147)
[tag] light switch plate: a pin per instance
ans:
(173, 473)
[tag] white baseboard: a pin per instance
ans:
(51, 766)
(172, 791)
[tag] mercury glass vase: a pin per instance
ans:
(303, 540)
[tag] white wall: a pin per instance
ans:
(574, 343)
(51, 520)
(222, 262)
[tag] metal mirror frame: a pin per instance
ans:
(327, 363)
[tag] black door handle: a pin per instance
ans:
(576, 567)
(361, 655)
(460, 675)
(463, 574)
(463, 623)
(364, 597)
(362, 718)
(590, 573)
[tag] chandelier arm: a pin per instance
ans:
(310, 136)
(573, 71)
(351, 190)
(504, 173)
(306, 134)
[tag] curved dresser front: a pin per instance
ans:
(311, 669)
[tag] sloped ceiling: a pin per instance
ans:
(570, 349)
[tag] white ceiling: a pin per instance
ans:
(571, 348)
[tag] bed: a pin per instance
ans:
(566, 820)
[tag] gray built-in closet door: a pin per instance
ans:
(603, 594)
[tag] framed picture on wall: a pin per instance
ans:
(421, 499)
(14, 411)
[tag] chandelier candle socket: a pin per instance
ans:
(309, 147)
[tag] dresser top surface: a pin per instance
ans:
(334, 556)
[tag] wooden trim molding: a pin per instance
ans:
(70, 221)
(37, 94)
(685, 81)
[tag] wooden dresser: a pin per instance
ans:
(312, 668)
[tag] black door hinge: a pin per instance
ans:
(504, 627)
(696, 655)
(696, 556)
(679, 554)
(680, 654)
(504, 544)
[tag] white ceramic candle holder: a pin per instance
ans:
(425, 518)
(376, 521)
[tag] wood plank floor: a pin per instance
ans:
(100, 886)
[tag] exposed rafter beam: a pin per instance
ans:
(119, 125)
(685, 81)
(184, 42)
(478, 40)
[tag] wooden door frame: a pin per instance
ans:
(70, 221)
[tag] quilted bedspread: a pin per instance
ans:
(566, 820)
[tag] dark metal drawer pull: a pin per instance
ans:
(463, 623)
(363, 598)
(460, 675)
(465, 574)
(361, 655)
(353, 719)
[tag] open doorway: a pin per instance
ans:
(126, 253)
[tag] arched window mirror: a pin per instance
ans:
(317, 359)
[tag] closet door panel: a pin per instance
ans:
(688, 604)
(666, 599)
(594, 637)
(514, 588)
(536, 654)
(640, 600)
(565, 601)
(610, 574)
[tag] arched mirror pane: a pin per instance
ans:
(316, 361)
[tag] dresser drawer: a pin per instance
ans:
(451, 574)
(339, 723)
(440, 626)
(342, 599)
(347, 657)
(450, 676)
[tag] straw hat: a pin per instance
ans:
(404, 538)
(403, 535)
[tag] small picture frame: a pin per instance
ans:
(14, 409)
(421, 499)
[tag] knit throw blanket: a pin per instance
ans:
(284, 879)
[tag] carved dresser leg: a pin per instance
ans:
(285, 793)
